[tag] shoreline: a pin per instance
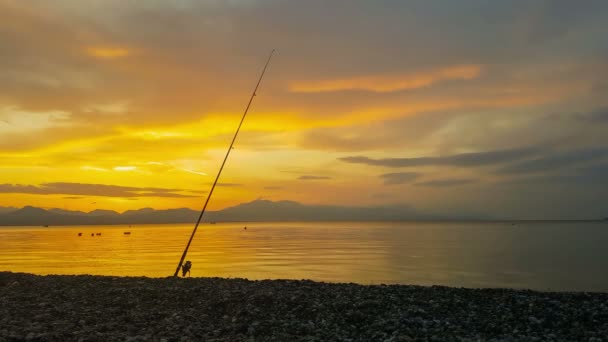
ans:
(106, 308)
(423, 221)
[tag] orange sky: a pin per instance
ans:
(120, 106)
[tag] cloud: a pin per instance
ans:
(459, 160)
(556, 161)
(108, 52)
(309, 177)
(93, 168)
(399, 177)
(389, 83)
(408, 131)
(544, 21)
(599, 115)
(193, 172)
(166, 167)
(91, 190)
(595, 176)
(124, 168)
(447, 182)
(24, 122)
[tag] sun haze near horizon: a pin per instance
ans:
(472, 108)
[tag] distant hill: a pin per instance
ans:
(31, 216)
(258, 210)
(4, 210)
(100, 212)
(66, 212)
(264, 210)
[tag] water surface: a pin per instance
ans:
(537, 255)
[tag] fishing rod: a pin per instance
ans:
(181, 260)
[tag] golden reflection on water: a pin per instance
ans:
(540, 256)
(221, 250)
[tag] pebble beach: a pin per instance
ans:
(102, 308)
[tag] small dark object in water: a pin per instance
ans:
(186, 268)
(127, 233)
(79, 234)
(98, 234)
(245, 228)
(92, 234)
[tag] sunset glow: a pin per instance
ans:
(123, 106)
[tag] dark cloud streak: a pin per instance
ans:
(399, 177)
(459, 160)
(448, 182)
(91, 190)
(599, 115)
(309, 177)
(555, 162)
(592, 175)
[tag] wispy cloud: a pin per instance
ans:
(310, 177)
(390, 83)
(16, 120)
(90, 190)
(556, 161)
(599, 115)
(193, 172)
(447, 182)
(93, 168)
(595, 176)
(460, 160)
(165, 167)
(108, 52)
(399, 177)
(124, 168)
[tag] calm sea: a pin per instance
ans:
(539, 255)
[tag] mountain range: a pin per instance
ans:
(258, 210)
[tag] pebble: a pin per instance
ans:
(72, 308)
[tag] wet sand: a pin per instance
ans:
(95, 308)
